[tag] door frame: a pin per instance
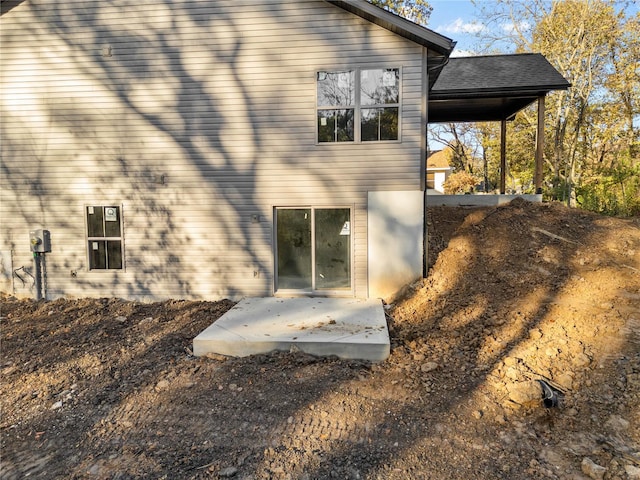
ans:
(313, 292)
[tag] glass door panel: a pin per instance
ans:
(332, 248)
(313, 249)
(294, 249)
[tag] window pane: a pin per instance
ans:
(379, 124)
(335, 125)
(333, 248)
(111, 221)
(97, 255)
(389, 124)
(94, 222)
(294, 248)
(336, 89)
(380, 86)
(114, 254)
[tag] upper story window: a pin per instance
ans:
(359, 105)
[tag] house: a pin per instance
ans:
(438, 170)
(213, 149)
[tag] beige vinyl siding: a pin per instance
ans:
(217, 97)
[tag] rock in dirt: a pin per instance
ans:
(632, 472)
(582, 360)
(617, 424)
(428, 367)
(535, 334)
(565, 380)
(162, 385)
(525, 393)
(592, 469)
(228, 472)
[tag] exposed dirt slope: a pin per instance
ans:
(108, 389)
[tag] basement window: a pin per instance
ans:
(104, 237)
(359, 105)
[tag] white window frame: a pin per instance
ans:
(357, 107)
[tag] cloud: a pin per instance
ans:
(460, 26)
(516, 27)
(463, 53)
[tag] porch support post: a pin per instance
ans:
(503, 156)
(539, 145)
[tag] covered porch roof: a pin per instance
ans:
(491, 88)
(495, 88)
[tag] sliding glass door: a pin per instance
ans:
(313, 249)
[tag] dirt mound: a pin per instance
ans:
(528, 292)
(518, 297)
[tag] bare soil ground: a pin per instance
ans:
(108, 389)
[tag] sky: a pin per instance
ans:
(459, 20)
(456, 19)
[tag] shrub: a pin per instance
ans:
(615, 192)
(460, 182)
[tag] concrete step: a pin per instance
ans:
(346, 327)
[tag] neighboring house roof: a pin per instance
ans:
(491, 87)
(439, 160)
(438, 46)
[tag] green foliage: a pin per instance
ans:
(613, 191)
(417, 11)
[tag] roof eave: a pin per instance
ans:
(503, 92)
(396, 24)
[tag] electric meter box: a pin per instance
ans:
(40, 241)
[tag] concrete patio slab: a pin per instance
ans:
(346, 327)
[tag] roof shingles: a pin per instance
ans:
(504, 73)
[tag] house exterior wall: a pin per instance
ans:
(396, 241)
(197, 119)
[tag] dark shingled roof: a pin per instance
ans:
(491, 87)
